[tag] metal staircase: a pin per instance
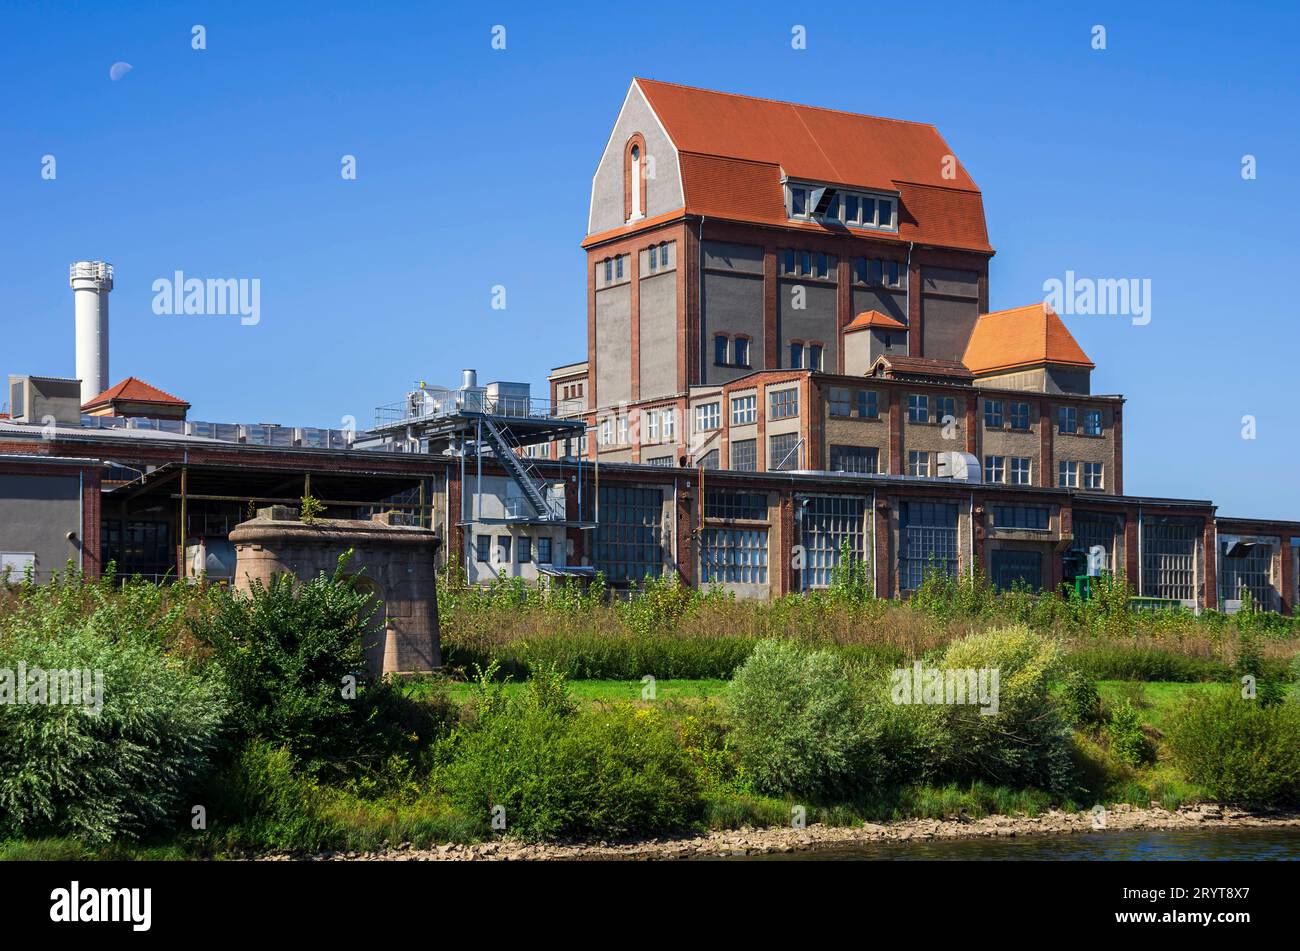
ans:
(525, 474)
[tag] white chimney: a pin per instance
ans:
(91, 281)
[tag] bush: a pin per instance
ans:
(122, 772)
(558, 772)
(1027, 741)
(287, 651)
(1128, 743)
(800, 722)
(1080, 702)
(1239, 750)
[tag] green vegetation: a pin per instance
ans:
(237, 724)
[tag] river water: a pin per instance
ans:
(1194, 845)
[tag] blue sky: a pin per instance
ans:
(474, 169)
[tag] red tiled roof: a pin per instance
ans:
(874, 320)
(1022, 337)
(132, 390)
(733, 150)
(898, 366)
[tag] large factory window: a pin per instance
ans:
(733, 555)
(927, 537)
(826, 525)
(629, 538)
(1169, 559)
(1247, 566)
(1011, 567)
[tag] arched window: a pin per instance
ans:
(636, 181)
(635, 160)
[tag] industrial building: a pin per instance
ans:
(789, 350)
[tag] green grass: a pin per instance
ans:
(613, 691)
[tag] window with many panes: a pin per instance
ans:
(854, 459)
(783, 452)
(1067, 474)
(918, 463)
(1019, 471)
(841, 403)
(744, 409)
(738, 556)
(735, 505)
(783, 404)
(927, 541)
(744, 455)
(708, 416)
(1092, 422)
(1092, 475)
(1035, 518)
(629, 535)
(945, 409)
(1019, 415)
(995, 468)
(993, 415)
(543, 551)
(826, 526)
(1169, 561)
(525, 549)
(483, 548)
(918, 408)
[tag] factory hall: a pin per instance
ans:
(790, 358)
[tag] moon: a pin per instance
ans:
(118, 70)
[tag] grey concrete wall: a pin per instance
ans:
(949, 309)
(36, 513)
(1064, 380)
(614, 345)
(892, 303)
(732, 304)
(658, 314)
(815, 322)
(663, 191)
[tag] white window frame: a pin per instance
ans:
(995, 469)
(1100, 476)
(1013, 470)
(1067, 474)
(744, 409)
(708, 416)
(918, 459)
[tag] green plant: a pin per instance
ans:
(113, 757)
(1079, 699)
(311, 508)
(291, 655)
(534, 765)
(1239, 750)
(1128, 743)
(800, 723)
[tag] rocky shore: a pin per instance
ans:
(747, 841)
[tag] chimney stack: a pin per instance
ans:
(91, 281)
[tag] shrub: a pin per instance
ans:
(1239, 750)
(557, 772)
(1079, 700)
(800, 722)
(287, 651)
(1128, 743)
(1027, 741)
(120, 773)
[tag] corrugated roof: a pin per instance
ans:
(1022, 337)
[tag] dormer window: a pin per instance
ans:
(829, 203)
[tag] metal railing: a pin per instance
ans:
(430, 404)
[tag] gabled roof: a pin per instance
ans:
(733, 151)
(132, 390)
(875, 320)
(1022, 337)
(899, 367)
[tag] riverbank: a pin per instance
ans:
(770, 841)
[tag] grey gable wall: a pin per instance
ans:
(663, 192)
